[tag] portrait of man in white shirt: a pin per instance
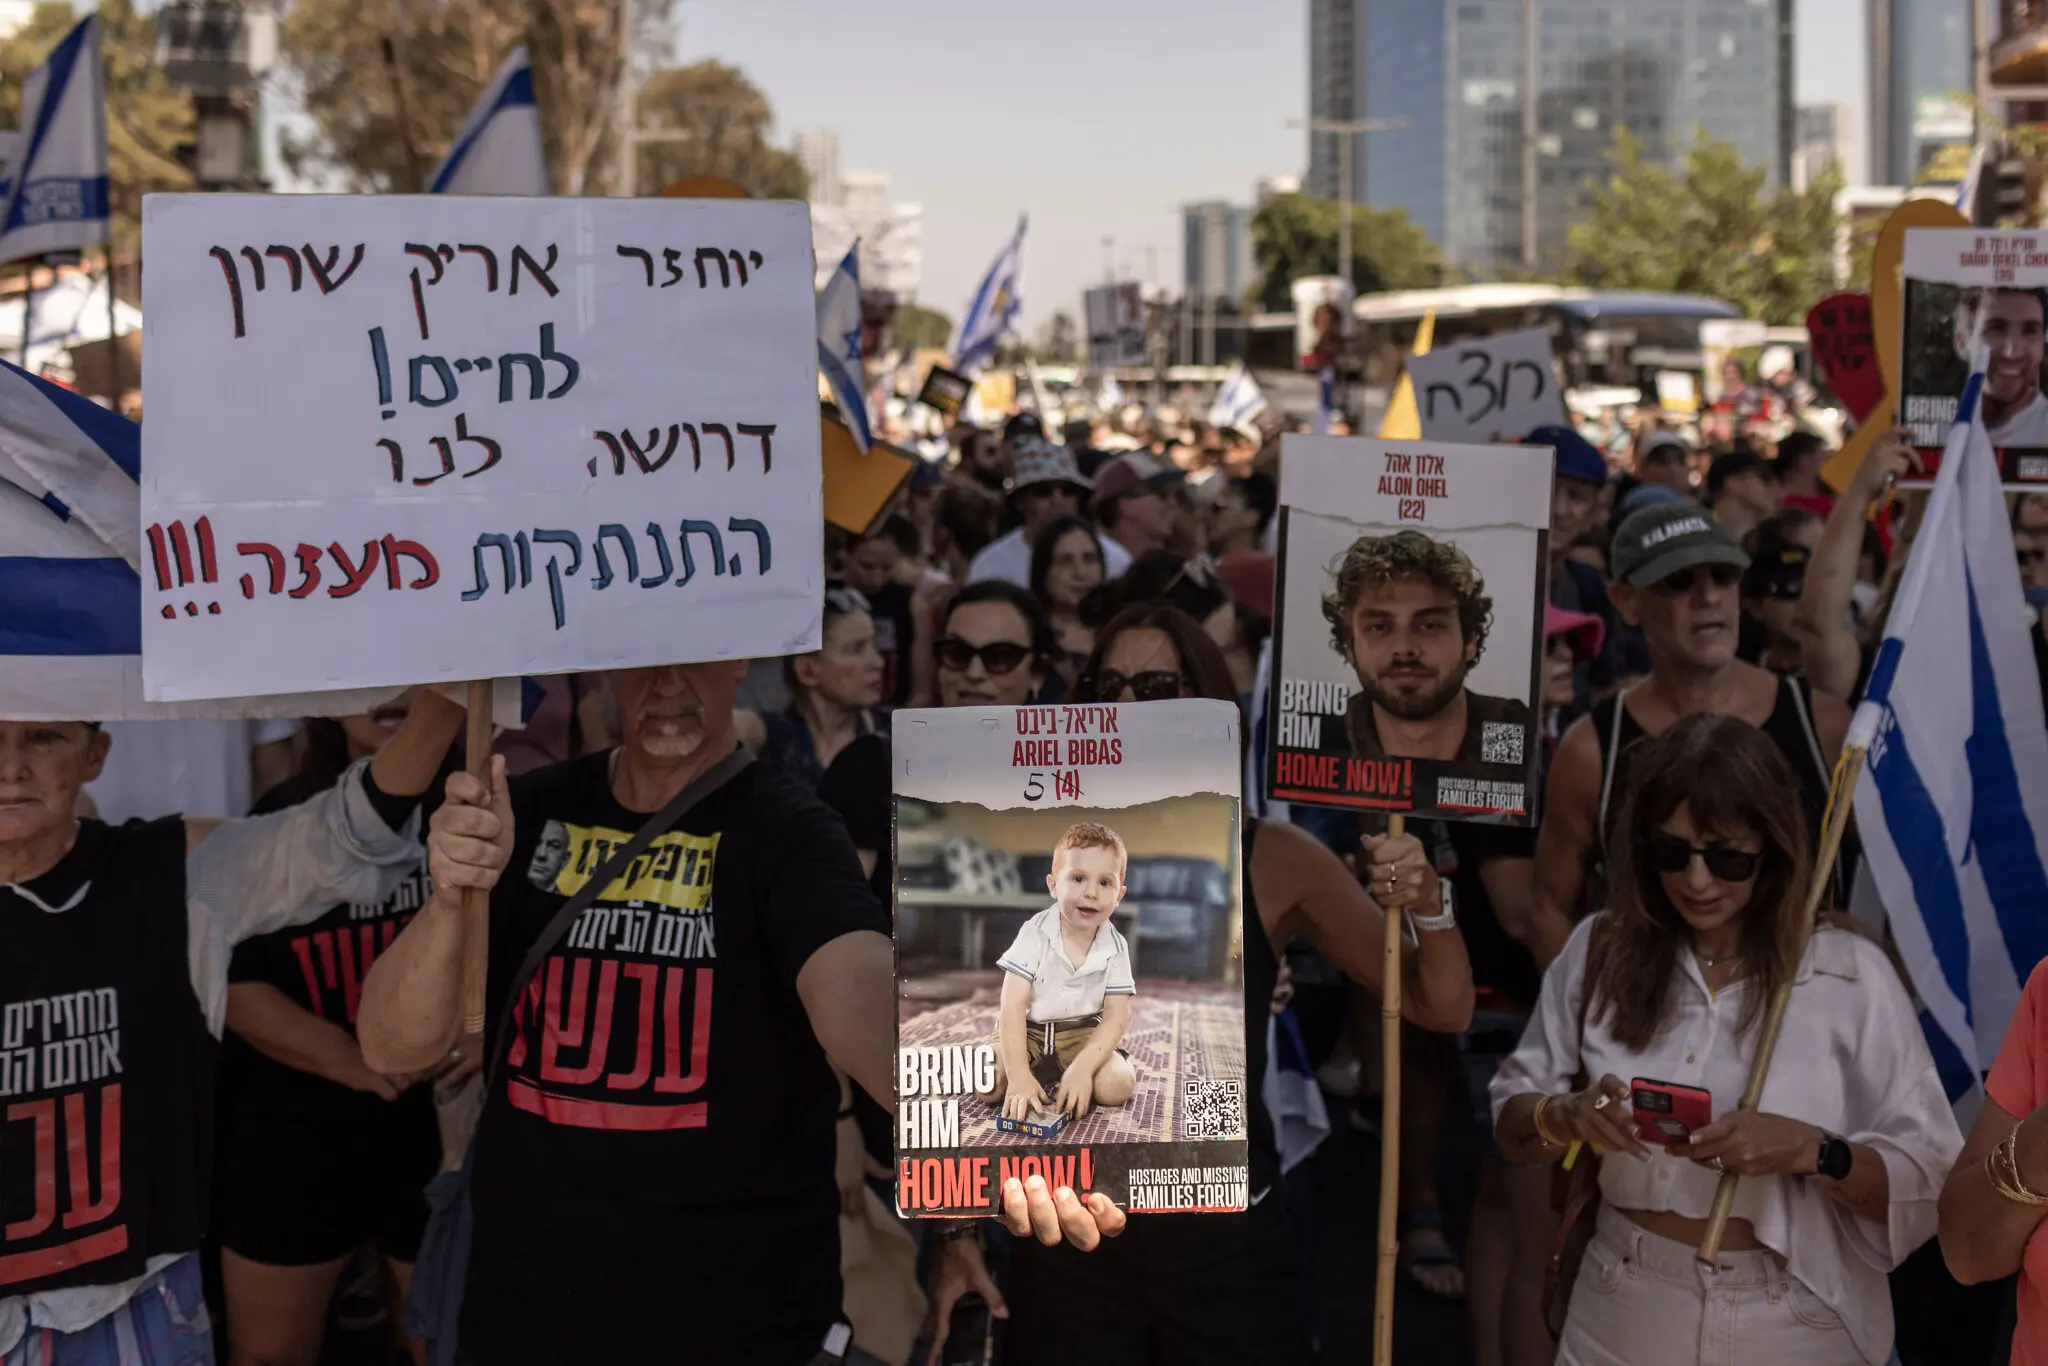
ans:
(2012, 324)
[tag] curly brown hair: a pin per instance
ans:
(1375, 560)
(1733, 780)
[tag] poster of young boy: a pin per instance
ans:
(1967, 287)
(1409, 645)
(1069, 933)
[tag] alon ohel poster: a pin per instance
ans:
(1069, 955)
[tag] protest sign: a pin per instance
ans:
(945, 392)
(1966, 287)
(1410, 636)
(1499, 388)
(399, 439)
(1029, 839)
(1845, 348)
(859, 484)
(1116, 326)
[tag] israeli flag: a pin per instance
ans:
(55, 192)
(839, 345)
(1966, 193)
(1953, 804)
(1326, 401)
(70, 573)
(994, 307)
(499, 151)
(1238, 401)
(1112, 394)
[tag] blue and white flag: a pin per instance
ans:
(1326, 401)
(1966, 193)
(1112, 394)
(839, 345)
(1238, 401)
(55, 193)
(994, 308)
(70, 572)
(1953, 805)
(499, 151)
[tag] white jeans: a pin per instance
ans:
(1642, 1300)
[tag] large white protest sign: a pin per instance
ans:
(426, 438)
(1498, 388)
(1116, 326)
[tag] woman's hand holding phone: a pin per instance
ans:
(1599, 1114)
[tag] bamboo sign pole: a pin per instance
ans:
(1836, 820)
(476, 903)
(1390, 1129)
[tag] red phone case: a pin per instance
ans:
(1667, 1112)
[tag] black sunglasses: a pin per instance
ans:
(2032, 556)
(1670, 854)
(1680, 583)
(999, 657)
(1157, 685)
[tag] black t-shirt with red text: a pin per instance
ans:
(652, 1178)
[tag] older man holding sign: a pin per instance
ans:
(524, 436)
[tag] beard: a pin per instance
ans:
(1411, 702)
(661, 743)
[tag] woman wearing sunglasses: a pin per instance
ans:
(1642, 1043)
(1222, 1288)
(992, 649)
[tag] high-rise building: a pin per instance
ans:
(818, 150)
(1820, 142)
(891, 235)
(1336, 89)
(1216, 249)
(1919, 61)
(1453, 74)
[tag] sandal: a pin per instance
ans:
(1439, 1258)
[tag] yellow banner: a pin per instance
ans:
(674, 871)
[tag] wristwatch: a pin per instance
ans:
(1836, 1159)
(1446, 917)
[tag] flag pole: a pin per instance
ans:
(28, 303)
(476, 903)
(114, 384)
(1841, 792)
(1390, 1128)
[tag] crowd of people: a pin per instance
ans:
(295, 1063)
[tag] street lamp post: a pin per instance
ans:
(1346, 129)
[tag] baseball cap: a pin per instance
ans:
(1022, 425)
(1040, 462)
(1646, 495)
(1656, 542)
(1734, 465)
(1249, 575)
(1577, 458)
(1134, 472)
(1776, 570)
(1583, 629)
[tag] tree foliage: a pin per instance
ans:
(385, 125)
(146, 120)
(1707, 226)
(916, 326)
(1295, 235)
(709, 119)
(1059, 340)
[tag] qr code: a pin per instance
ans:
(1500, 742)
(1213, 1109)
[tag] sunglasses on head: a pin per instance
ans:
(1157, 685)
(1720, 575)
(998, 657)
(1670, 854)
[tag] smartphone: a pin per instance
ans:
(1667, 1112)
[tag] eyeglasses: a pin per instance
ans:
(999, 657)
(2032, 556)
(1670, 854)
(1157, 685)
(1681, 583)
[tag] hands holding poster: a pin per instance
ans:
(1410, 638)
(397, 439)
(1499, 388)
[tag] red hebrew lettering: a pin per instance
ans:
(647, 975)
(430, 572)
(309, 570)
(600, 1024)
(355, 575)
(324, 941)
(671, 1081)
(84, 1210)
(303, 947)
(43, 1114)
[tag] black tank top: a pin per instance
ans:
(106, 1065)
(1790, 727)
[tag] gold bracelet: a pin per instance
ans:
(2001, 1166)
(1543, 1133)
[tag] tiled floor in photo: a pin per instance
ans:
(1177, 1030)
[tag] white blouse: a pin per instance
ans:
(1851, 1060)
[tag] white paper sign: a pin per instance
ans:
(1116, 326)
(422, 438)
(1499, 388)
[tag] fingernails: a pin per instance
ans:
(1034, 1184)
(1013, 1184)
(1065, 1195)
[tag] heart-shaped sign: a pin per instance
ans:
(1845, 348)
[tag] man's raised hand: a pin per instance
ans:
(471, 838)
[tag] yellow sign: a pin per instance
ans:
(1403, 421)
(674, 872)
(858, 487)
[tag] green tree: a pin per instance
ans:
(1059, 340)
(709, 119)
(146, 120)
(385, 124)
(916, 326)
(1709, 225)
(1295, 235)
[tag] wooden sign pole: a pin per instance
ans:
(476, 904)
(1390, 1129)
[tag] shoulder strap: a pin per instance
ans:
(1800, 706)
(1607, 765)
(660, 823)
